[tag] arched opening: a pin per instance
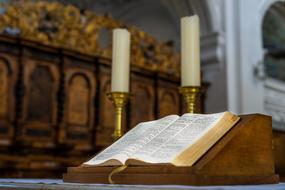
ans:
(273, 29)
(41, 93)
(78, 100)
(273, 38)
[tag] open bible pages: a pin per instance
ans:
(176, 137)
(131, 142)
(206, 139)
(172, 140)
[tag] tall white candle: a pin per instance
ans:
(120, 61)
(190, 51)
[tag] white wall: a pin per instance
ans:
(244, 53)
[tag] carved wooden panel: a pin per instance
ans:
(106, 104)
(41, 80)
(8, 75)
(168, 104)
(78, 100)
(105, 127)
(79, 107)
(56, 99)
(168, 99)
(40, 95)
(142, 101)
(4, 78)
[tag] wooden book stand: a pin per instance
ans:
(242, 156)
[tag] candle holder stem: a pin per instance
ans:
(190, 94)
(118, 123)
(120, 100)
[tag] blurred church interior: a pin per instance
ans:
(55, 72)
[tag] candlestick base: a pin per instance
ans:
(190, 95)
(120, 100)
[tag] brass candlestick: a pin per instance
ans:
(190, 95)
(120, 100)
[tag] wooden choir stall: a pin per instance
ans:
(55, 72)
(54, 77)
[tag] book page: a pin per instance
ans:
(177, 137)
(200, 146)
(132, 141)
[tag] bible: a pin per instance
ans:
(172, 140)
(193, 149)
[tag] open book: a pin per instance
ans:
(174, 140)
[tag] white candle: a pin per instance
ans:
(190, 51)
(120, 61)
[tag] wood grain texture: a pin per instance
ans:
(279, 153)
(243, 156)
(54, 111)
(8, 79)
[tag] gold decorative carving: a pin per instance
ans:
(54, 24)
(78, 101)
(3, 89)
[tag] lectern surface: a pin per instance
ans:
(52, 184)
(242, 156)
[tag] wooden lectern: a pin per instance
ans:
(242, 156)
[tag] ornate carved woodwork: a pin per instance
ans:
(61, 114)
(39, 118)
(68, 27)
(8, 78)
(168, 100)
(54, 76)
(105, 126)
(4, 78)
(143, 94)
(79, 92)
